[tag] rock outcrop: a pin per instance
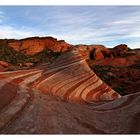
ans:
(34, 45)
(70, 78)
(118, 56)
(120, 50)
(3, 66)
(92, 51)
(99, 52)
(64, 98)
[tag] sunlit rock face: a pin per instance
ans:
(120, 55)
(99, 52)
(92, 51)
(34, 45)
(66, 97)
(70, 78)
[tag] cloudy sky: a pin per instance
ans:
(108, 25)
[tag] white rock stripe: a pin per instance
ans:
(21, 99)
(77, 92)
(70, 83)
(65, 81)
(62, 90)
(23, 86)
(10, 111)
(70, 79)
(9, 79)
(55, 70)
(91, 87)
(17, 71)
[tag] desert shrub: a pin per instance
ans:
(128, 54)
(136, 65)
(102, 69)
(120, 89)
(8, 54)
(45, 56)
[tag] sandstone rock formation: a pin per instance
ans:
(64, 98)
(34, 45)
(3, 66)
(120, 50)
(92, 51)
(99, 52)
(69, 76)
(120, 55)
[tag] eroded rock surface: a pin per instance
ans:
(34, 45)
(66, 97)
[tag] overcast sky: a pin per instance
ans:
(108, 25)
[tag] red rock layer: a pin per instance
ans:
(92, 51)
(3, 66)
(34, 45)
(25, 110)
(71, 79)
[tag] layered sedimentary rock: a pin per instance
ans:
(64, 98)
(71, 79)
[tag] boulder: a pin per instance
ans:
(4, 64)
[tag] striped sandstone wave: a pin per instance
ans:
(66, 97)
(73, 80)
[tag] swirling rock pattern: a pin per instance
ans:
(64, 98)
(71, 79)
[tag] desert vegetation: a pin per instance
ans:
(9, 55)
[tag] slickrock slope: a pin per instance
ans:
(64, 98)
(71, 79)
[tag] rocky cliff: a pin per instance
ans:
(118, 56)
(34, 45)
(98, 52)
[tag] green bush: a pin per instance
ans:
(120, 89)
(45, 56)
(8, 54)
